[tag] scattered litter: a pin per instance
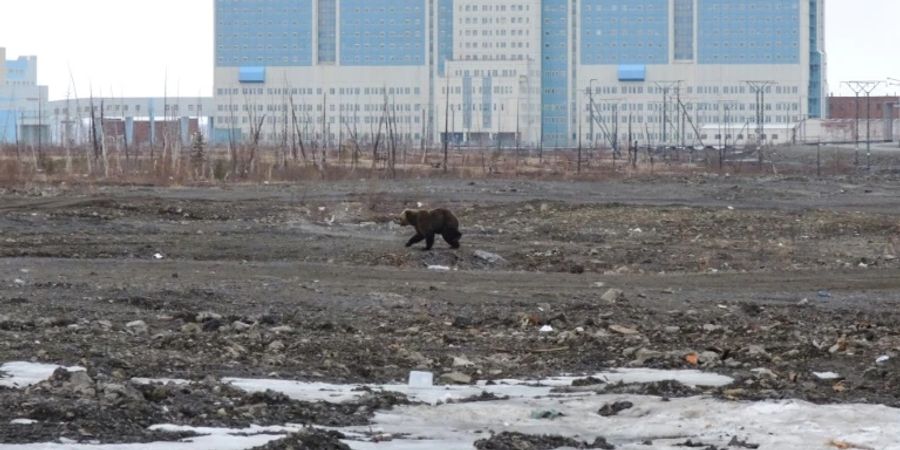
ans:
(824, 294)
(489, 257)
(883, 359)
(731, 208)
(23, 422)
(848, 445)
(158, 256)
(419, 379)
(19, 281)
(692, 359)
(439, 268)
(623, 330)
(546, 329)
(827, 375)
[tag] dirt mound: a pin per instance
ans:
(84, 408)
(519, 441)
(665, 389)
(308, 440)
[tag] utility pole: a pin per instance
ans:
(590, 93)
(446, 122)
(864, 87)
(760, 88)
(665, 86)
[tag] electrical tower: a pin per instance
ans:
(665, 86)
(760, 88)
(864, 87)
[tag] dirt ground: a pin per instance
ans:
(765, 279)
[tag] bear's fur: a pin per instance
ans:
(429, 223)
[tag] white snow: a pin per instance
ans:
(435, 425)
(336, 393)
(23, 374)
(782, 425)
(222, 439)
(23, 422)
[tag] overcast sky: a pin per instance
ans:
(128, 47)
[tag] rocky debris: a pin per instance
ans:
(462, 361)
(691, 444)
(621, 329)
(455, 378)
(613, 295)
(737, 443)
(589, 381)
(484, 396)
(137, 327)
(82, 407)
(520, 441)
(546, 414)
(612, 409)
(664, 389)
(488, 257)
(311, 439)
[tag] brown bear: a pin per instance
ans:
(429, 223)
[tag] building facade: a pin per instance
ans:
(23, 103)
(137, 122)
(533, 72)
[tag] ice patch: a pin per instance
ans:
(337, 393)
(220, 439)
(23, 374)
(438, 425)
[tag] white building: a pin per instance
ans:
(551, 72)
(23, 103)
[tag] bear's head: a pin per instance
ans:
(406, 217)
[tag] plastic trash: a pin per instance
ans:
(421, 379)
(546, 329)
(883, 359)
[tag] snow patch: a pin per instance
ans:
(337, 393)
(24, 374)
(438, 425)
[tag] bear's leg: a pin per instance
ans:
(429, 241)
(415, 240)
(452, 238)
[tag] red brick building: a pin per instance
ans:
(846, 107)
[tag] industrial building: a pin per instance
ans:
(536, 72)
(22, 102)
(138, 122)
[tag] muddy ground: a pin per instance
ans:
(768, 280)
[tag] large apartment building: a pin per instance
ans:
(488, 72)
(23, 103)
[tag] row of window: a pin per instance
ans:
(319, 91)
(123, 108)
